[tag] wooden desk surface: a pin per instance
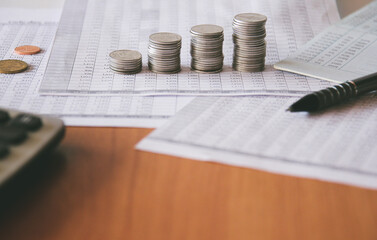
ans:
(99, 187)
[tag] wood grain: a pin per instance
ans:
(98, 187)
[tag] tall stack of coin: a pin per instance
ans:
(207, 48)
(126, 61)
(249, 45)
(164, 52)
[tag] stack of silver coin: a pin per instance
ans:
(207, 48)
(164, 52)
(125, 61)
(249, 45)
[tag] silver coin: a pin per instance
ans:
(248, 60)
(250, 18)
(124, 62)
(207, 72)
(125, 67)
(248, 69)
(206, 65)
(212, 67)
(121, 69)
(209, 48)
(125, 55)
(248, 42)
(205, 55)
(163, 71)
(249, 36)
(165, 38)
(198, 41)
(126, 72)
(163, 47)
(251, 51)
(164, 61)
(207, 30)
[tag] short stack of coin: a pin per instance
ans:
(126, 61)
(207, 48)
(249, 45)
(164, 52)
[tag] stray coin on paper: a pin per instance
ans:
(12, 66)
(27, 50)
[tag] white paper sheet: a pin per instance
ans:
(20, 91)
(342, 52)
(13, 14)
(336, 145)
(90, 29)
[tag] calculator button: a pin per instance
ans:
(4, 116)
(11, 135)
(27, 122)
(3, 151)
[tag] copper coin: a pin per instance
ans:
(27, 50)
(12, 66)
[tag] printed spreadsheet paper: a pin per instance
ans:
(342, 52)
(20, 91)
(257, 132)
(90, 29)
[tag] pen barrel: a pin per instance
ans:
(367, 83)
(336, 94)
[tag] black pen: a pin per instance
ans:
(336, 94)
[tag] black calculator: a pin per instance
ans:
(25, 137)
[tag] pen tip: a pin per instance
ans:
(307, 103)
